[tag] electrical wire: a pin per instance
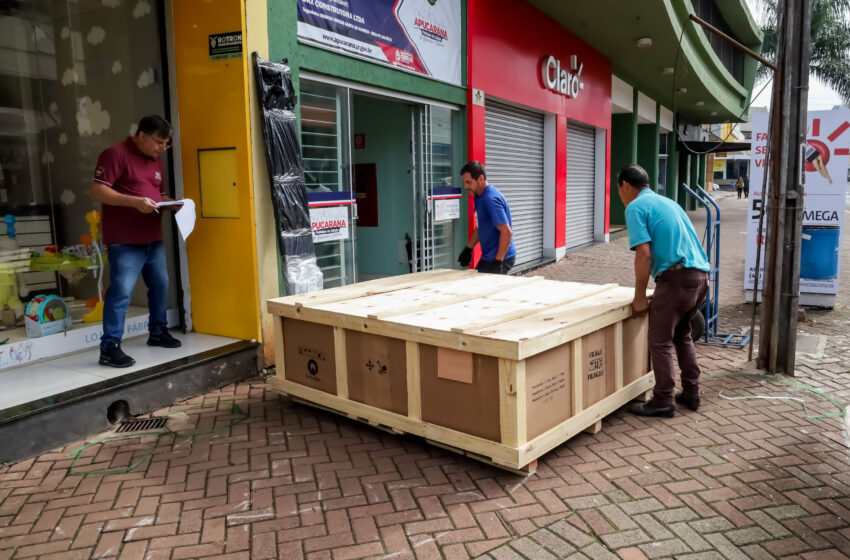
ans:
(676, 117)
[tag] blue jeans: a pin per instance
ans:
(126, 262)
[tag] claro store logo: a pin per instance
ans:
(560, 80)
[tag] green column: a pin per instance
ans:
(702, 160)
(692, 204)
(624, 150)
(648, 151)
(672, 186)
(684, 177)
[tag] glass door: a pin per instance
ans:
(326, 150)
(436, 199)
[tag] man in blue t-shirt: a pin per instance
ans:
(666, 246)
(493, 223)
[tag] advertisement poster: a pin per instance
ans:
(827, 156)
(329, 223)
(421, 36)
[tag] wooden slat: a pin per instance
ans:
(506, 305)
(414, 383)
(494, 450)
(341, 363)
(512, 404)
(430, 295)
(367, 288)
(278, 346)
(618, 356)
(564, 431)
(578, 377)
(457, 341)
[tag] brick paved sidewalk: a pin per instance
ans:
(242, 473)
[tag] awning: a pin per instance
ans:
(712, 147)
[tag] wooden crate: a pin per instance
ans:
(501, 368)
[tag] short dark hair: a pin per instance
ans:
(635, 175)
(154, 124)
(474, 168)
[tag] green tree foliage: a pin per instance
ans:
(830, 42)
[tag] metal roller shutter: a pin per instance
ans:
(581, 180)
(514, 144)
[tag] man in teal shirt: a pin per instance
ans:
(666, 246)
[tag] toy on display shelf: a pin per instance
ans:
(96, 314)
(13, 259)
(46, 315)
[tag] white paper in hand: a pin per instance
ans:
(186, 218)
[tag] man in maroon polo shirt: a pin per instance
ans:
(128, 181)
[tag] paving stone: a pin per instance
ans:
(737, 479)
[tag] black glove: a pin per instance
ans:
(492, 267)
(465, 257)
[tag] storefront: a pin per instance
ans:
(382, 133)
(75, 78)
(540, 119)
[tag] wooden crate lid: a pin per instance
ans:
(506, 316)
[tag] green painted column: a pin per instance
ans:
(672, 186)
(701, 180)
(694, 180)
(684, 177)
(624, 150)
(648, 151)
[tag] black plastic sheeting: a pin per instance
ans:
(301, 273)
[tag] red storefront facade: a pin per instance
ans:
(519, 58)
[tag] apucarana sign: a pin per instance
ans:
(826, 154)
(421, 36)
(562, 79)
(329, 223)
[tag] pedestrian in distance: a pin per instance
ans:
(739, 186)
(128, 182)
(747, 186)
(492, 223)
(666, 247)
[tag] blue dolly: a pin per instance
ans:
(704, 325)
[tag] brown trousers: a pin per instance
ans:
(678, 295)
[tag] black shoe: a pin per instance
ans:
(115, 357)
(650, 409)
(164, 339)
(690, 400)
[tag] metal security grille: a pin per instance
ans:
(142, 425)
(581, 180)
(514, 144)
(322, 107)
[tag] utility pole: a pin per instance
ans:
(784, 196)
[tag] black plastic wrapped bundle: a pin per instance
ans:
(301, 273)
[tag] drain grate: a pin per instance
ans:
(141, 425)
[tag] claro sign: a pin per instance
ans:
(560, 80)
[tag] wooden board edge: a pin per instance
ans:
(414, 383)
(464, 342)
(524, 313)
(544, 342)
(561, 433)
(459, 299)
(340, 353)
(494, 450)
(368, 288)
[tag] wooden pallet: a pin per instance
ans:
(541, 360)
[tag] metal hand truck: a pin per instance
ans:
(710, 309)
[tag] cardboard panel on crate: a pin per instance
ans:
(308, 351)
(636, 361)
(471, 408)
(548, 389)
(504, 368)
(597, 365)
(377, 371)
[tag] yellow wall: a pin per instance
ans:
(212, 99)
(257, 34)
